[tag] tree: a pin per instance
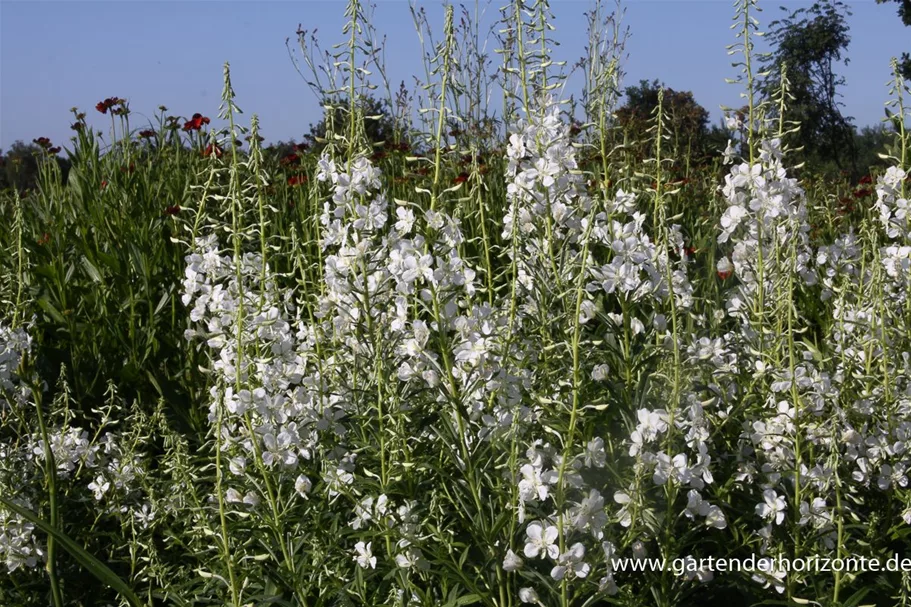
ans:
(904, 12)
(19, 165)
(688, 120)
(379, 125)
(811, 42)
(870, 141)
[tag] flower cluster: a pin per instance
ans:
(893, 207)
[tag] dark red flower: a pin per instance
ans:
(147, 134)
(45, 238)
(172, 210)
(863, 193)
(289, 159)
(210, 149)
(43, 142)
(195, 123)
(865, 180)
(109, 103)
(54, 150)
(461, 178)
(104, 184)
(295, 180)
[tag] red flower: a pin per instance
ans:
(210, 149)
(195, 123)
(45, 238)
(724, 268)
(45, 144)
(104, 184)
(297, 180)
(147, 134)
(462, 178)
(289, 159)
(865, 180)
(109, 103)
(862, 193)
(172, 210)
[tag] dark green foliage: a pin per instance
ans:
(688, 121)
(374, 116)
(19, 166)
(904, 13)
(811, 42)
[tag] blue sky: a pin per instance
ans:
(57, 55)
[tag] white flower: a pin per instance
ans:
(533, 485)
(624, 516)
(144, 516)
(251, 499)
(528, 595)
(364, 556)
(571, 563)
(594, 453)
(303, 485)
(600, 372)
(412, 558)
(772, 507)
(590, 514)
(512, 562)
(729, 153)
(99, 486)
(541, 541)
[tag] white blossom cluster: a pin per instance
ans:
(766, 220)
(19, 546)
(270, 406)
(15, 342)
(893, 207)
(400, 328)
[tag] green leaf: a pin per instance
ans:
(48, 307)
(91, 270)
(89, 562)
